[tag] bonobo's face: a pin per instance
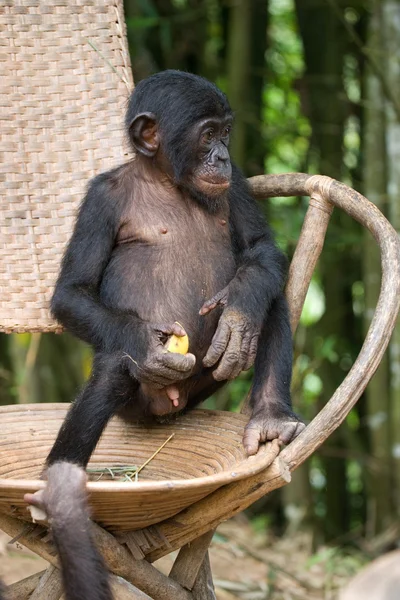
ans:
(182, 123)
(197, 158)
(209, 167)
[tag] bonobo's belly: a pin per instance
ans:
(168, 280)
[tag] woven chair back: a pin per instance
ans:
(65, 79)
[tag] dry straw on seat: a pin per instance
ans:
(65, 78)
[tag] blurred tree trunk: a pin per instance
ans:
(391, 73)
(378, 476)
(325, 40)
(255, 142)
(6, 371)
(162, 35)
(246, 47)
(238, 70)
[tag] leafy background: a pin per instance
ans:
(315, 87)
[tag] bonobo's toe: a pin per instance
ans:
(264, 427)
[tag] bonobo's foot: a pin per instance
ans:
(65, 490)
(270, 423)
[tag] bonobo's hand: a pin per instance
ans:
(149, 362)
(270, 422)
(235, 341)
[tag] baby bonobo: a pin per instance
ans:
(64, 502)
(172, 243)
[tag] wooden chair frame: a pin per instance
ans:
(192, 529)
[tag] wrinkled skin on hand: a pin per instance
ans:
(235, 341)
(152, 364)
(270, 422)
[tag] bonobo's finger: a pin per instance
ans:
(218, 344)
(251, 355)
(183, 363)
(291, 430)
(230, 359)
(170, 329)
(156, 381)
(37, 506)
(162, 376)
(219, 299)
(243, 357)
(252, 439)
(35, 499)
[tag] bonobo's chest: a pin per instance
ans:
(170, 256)
(165, 218)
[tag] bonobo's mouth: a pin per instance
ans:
(217, 182)
(220, 184)
(211, 184)
(212, 188)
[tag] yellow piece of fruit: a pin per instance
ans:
(177, 343)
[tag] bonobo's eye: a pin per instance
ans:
(207, 136)
(227, 130)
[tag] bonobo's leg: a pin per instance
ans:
(2, 591)
(203, 388)
(272, 415)
(64, 501)
(108, 389)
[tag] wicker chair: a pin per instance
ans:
(65, 86)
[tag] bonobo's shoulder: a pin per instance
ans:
(114, 180)
(111, 187)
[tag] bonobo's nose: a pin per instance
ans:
(220, 157)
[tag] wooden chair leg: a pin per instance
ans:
(50, 585)
(203, 588)
(118, 560)
(123, 590)
(189, 560)
(21, 590)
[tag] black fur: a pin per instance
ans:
(84, 573)
(155, 239)
(179, 100)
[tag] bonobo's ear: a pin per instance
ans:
(143, 132)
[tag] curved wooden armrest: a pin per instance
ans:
(325, 193)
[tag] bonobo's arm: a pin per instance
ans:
(259, 280)
(76, 303)
(254, 326)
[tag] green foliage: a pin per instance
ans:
(337, 560)
(260, 523)
(193, 35)
(314, 305)
(285, 128)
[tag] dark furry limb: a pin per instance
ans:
(174, 235)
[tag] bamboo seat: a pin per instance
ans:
(53, 146)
